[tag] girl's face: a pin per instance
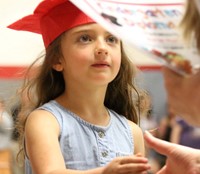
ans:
(91, 55)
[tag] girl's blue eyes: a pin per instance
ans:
(87, 38)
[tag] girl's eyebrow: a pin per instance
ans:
(87, 31)
(81, 31)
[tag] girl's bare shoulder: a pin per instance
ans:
(138, 137)
(41, 120)
(134, 126)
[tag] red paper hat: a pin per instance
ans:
(51, 18)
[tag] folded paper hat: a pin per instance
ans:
(51, 18)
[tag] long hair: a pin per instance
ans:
(122, 95)
(41, 84)
(45, 84)
(190, 23)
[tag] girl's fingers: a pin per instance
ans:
(138, 154)
(134, 168)
(132, 159)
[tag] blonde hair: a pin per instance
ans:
(190, 23)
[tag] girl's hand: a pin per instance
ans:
(128, 165)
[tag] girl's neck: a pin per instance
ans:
(89, 107)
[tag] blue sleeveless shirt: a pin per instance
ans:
(85, 146)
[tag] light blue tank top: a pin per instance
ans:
(85, 146)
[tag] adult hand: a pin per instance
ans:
(183, 95)
(180, 159)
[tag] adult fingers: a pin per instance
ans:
(160, 146)
(162, 170)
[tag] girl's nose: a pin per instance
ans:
(101, 47)
(101, 51)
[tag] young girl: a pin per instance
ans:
(83, 118)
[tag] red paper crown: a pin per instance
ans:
(51, 18)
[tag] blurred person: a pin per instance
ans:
(6, 126)
(185, 134)
(184, 100)
(184, 92)
(165, 127)
(183, 95)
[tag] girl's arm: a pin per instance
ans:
(138, 139)
(43, 150)
(42, 145)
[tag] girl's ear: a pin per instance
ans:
(58, 66)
